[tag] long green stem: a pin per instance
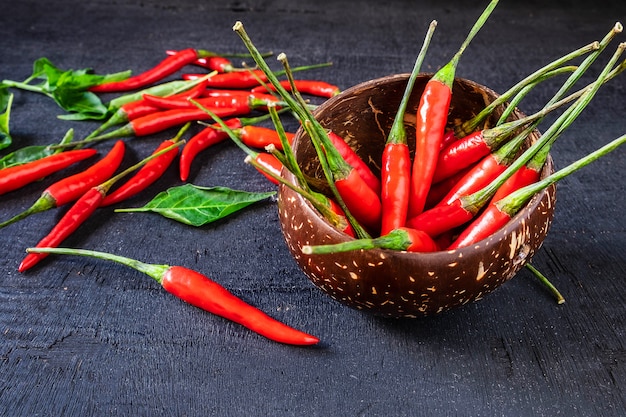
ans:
(546, 282)
(397, 239)
(478, 198)
(447, 72)
(153, 270)
(397, 133)
(516, 200)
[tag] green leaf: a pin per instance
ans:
(6, 100)
(197, 206)
(69, 88)
(32, 153)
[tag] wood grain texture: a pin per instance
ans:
(83, 338)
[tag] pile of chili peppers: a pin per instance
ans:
(153, 103)
(462, 184)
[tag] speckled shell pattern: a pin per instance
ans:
(394, 283)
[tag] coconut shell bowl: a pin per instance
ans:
(395, 283)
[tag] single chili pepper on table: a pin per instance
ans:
(396, 160)
(312, 87)
(17, 176)
(502, 210)
(208, 137)
(202, 292)
(244, 103)
(245, 78)
(160, 121)
(166, 67)
(216, 62)
(138, 107)
(149, 173)
(81, 210)
(432, 117)
(401, 239)
(71, 188)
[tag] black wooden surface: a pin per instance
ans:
(84, 337)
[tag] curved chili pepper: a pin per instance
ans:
(202, 292)
(269, 163)
(166, 67)
(15, 177)
(148, 174)
(72, 187)
(402, 239)
(355, 161)
(311, 87)
(432, 115)
(260, 137)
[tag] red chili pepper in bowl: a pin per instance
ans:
(432, 115)
(15, 177)
(71, 188)
(503, 209)
(396, 160)
(202, 292)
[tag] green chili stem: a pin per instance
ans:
(516, 200)
(397, 133)
(545, 281)
(397, 239)
(153, 270)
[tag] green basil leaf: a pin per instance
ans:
(6, 100)
(196, 206)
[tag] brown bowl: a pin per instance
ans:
(395, 283)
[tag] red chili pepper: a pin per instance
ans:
(73, 218)
(260, 137)
(312, 87)
(162, 120)
(147, 175)
(270, 163)
(207, 137)
(498, 213)
(166, 67)
(396, 160)
(481, 226)
(439, 190)
(235, 79)
(485, 171)
(71, 188)
(361, 201)
(204, 293)
(432, 116)
(243, 103)
(403, 239)
(355, 161)
(15, 177)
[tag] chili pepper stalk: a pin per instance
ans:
(431, 120)
(400, 239)
(204, 293)
(546, 282)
